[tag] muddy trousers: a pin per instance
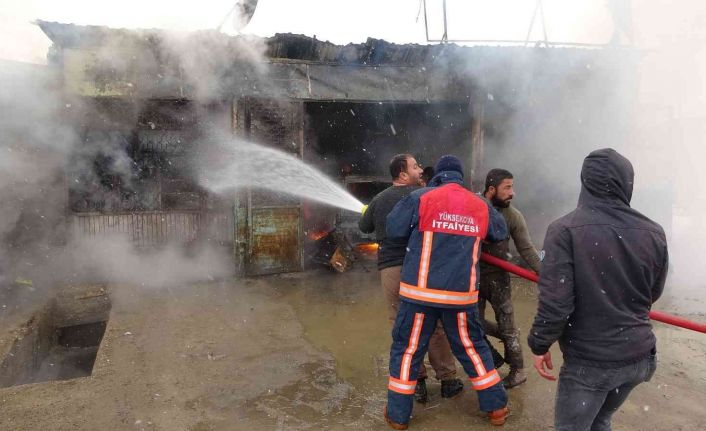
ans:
(587, 397)
(495, 288)
(440, 356)
(410, 339)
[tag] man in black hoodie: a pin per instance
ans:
(604, 266)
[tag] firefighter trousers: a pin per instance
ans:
(414, 326)
(440, 357)
(496, 289)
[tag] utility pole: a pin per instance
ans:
(539, 7)
(445, 37)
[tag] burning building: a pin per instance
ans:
(147, 103)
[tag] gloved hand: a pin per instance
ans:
(365, 208)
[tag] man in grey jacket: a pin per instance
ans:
(495, 283)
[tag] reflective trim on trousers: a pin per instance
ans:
(486, 381)
(411, 347)
(401, 386)
(468, 345)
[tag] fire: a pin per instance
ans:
(369, 248)
(316, 235)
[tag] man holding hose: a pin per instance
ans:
(495, 286)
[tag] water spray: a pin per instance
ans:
(247, 165)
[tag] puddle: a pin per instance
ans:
(345, 315)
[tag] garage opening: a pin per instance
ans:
(354, 143)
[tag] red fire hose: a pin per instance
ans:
(654, 315)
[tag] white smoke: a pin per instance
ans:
(644, 96)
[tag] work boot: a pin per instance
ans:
(497, 417)
(516, 377)
(394, 425)
(420, 392)
(451, 387)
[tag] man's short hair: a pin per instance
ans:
(495, 177)
(398, 164)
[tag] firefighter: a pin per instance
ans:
(444, 225)
(406, 173)
(495, 283)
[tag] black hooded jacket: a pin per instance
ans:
(605, 265)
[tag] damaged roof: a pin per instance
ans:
(288, 46)
(302, 67)
(280, 46)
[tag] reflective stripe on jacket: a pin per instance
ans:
(444, 226)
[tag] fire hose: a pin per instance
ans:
(532, 276)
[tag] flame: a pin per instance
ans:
(316, 235)
(369, 248)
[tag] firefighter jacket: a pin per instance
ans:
(444, 226)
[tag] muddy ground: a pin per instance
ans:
(302, 351)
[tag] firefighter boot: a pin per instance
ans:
(394, 425)
(497, 417)
(420, 392)
(451, 387)
(516, 377)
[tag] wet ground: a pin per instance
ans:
(301, 351)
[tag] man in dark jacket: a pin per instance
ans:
(605, 265)
(406, 172)
(495, 284)
(444, 225)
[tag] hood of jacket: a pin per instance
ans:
(606, 177)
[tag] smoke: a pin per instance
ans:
(669, 131)
(550, 107)
(555, 107)
(61, 153)
(115, 259)
(207, 61)
(34, 144)
(643, 95)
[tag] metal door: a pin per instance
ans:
(269, 234)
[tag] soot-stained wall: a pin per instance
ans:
(361, 138)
